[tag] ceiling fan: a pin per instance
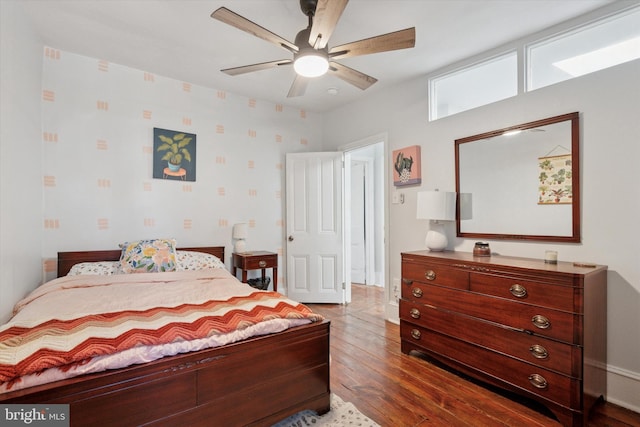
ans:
(311, 55)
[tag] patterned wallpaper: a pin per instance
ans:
(97, 136)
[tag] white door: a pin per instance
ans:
(315, 236)
(357, 200)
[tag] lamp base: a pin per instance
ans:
(240, 246)
(436, 240)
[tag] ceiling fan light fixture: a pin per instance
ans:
(311, 64)
(311, 54)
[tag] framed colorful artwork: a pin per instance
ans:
(555, 180)
(174, 155)
(406, 166)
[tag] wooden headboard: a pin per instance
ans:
(66, 260)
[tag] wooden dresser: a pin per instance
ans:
(532, 328)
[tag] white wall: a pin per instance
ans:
(20, 157)
(609, 106)
(98, 159)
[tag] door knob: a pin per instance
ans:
(290, 238)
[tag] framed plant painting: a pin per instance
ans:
(555, 180)
(174, 155)
(406, 166)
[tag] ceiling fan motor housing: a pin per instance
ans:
(302, 39)
(304, 48)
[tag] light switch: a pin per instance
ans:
(397, 198)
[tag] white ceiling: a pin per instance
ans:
(179, 39)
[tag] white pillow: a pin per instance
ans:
(105, 268)
(191, 260)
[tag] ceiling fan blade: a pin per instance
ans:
(349, 75)
(325, 19)
(402, 39)
(255, 67)
(298, 87)
(228, 17)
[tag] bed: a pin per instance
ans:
(256, 381)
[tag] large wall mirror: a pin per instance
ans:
(521, 182)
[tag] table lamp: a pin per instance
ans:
(436, 206)
(240, 232)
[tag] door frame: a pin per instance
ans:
(391, 306)
(369, 248)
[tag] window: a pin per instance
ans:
(609, 41)
(479, 84)
(591, 48)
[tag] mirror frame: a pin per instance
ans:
(575, 237)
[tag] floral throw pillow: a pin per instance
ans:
(148, 256)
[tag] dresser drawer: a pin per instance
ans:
(264, 261)
(553, 355)
(434, 273)
(542, 321)
(543, 294)
(541, 382)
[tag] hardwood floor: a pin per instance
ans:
(395, 389)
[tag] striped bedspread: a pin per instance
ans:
(80, 324)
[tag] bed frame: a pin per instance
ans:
(257, 382)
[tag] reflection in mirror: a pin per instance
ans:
(521, 182)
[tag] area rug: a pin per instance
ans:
(341, 414)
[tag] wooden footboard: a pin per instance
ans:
(254, 382)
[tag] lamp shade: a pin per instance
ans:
(240, 231)
(436, 205)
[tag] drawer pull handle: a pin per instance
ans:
(540, 321)
(538, 351)
(415, 313)
(415, 334)
(262, 263)
(518, 291)
(538, 381)
(407, 281)
(417, 292)
(430, 275)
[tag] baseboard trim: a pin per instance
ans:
(623, 388)
(392, 312)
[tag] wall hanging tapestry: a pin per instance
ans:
(555, 183)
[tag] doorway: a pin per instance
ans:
(359, 217)
(366, 214)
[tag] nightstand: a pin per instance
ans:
(256, 260)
